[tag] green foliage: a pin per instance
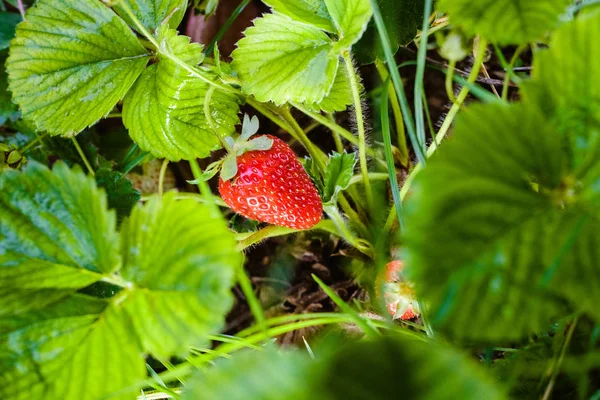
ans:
(312, 12)
(340, 95)
(40, 207)
(8, 24)
(70, 63)
(164, 111)
(338, 173)
(47, 351)
(513, 224)
(369, 369)
(350, 18)
(282, 60)
(402, 19)
(184, 290)
(8, 110)
(152, 13)
(572, 67)
(505, 21)
(261, 374)
(57, 236)
(382, 368)
(287, 56)
(120, 194)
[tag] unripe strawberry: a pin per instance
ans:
(272, 186)
(398, 293)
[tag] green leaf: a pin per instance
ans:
(340, 170)
(312, 170)
(182, 292)
(78, 349)
(28, 284)
(57, 216)
(70, 63)
(56, 236)
(387, 366)
(8, 24)
(566, 75)
(282, 60)
(505, 201)
(312, 12)
(256, 375)
(8, 110)
(402, 19)
(350, 18)
(121, 195)
(206, 7)
(152, 13)
(340, 95)
(505, 21)
(164, 112)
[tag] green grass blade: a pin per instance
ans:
(421, 60)
(397, 80)
(387, 142)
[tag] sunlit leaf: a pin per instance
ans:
(152, 13)
(57, 216)
(70, 63)
(282, 60)
(350, 18)
(340, 95)
(184, 290)
(164, 112)
(505, 21)
(312, 12)
(56, 236)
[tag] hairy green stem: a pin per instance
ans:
(450, 81)
(345, 233)
(300, 136)
(362, 141)
(400, 132)
(462, 95)
(346, 134)
(192, 70)
(443, 130)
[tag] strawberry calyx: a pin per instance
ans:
(398, 292)
(241, 145)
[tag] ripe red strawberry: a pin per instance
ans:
(272, 186)
(398, 292)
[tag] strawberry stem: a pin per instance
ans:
(362, 145)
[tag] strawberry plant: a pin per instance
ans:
(149, 250)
